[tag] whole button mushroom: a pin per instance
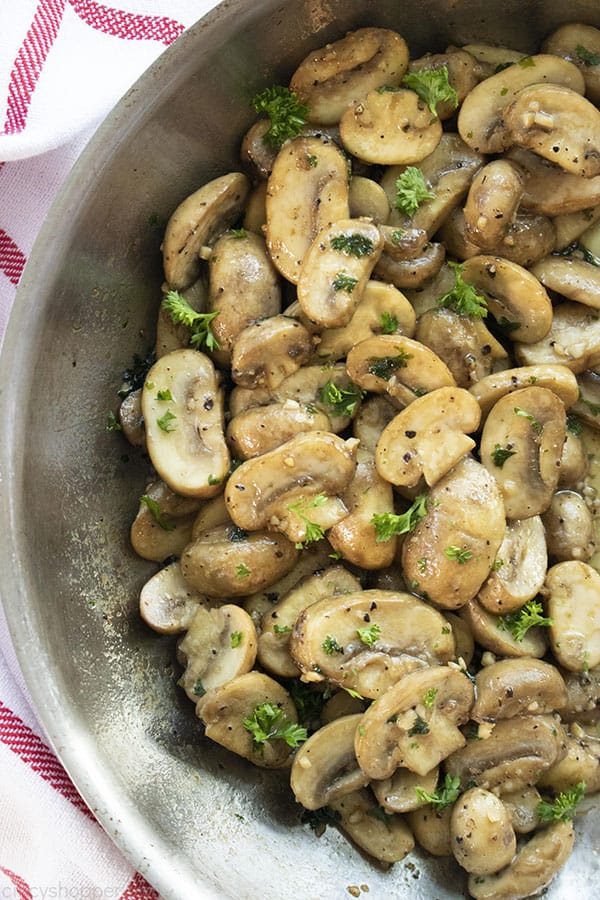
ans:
(387, 838)
(569, 527)
(519, 569)
(167, 603)
(483, 838)
(515, 687)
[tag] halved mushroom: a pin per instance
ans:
(335, 270)
(556, 378)
(581, 764)
(520, 568)
(513, 756)
(463, 342)
(319, 386)
(398, 366)
(172, 335)
(415, 724)
(523, 808)
(514, 297)
(163, 524)
(493, 633)
(293, 486)
(516, 687)
(390, 128)
(255, 218)
(573, 604)
(492, 203)
(410, 273)
(569, 227)
(227, 711)
(167, 603)
(574, 463)
(483, 838)
(583, 696)
(212, 514)
(256, 154)
(428, 438)
(532, 869)
(557, 123)
(587, 405)
(492, 58)
(451, 551)
(574, 279)
(374, 414)
(521, 445)
(182, 403)
(368, 199)
(340, 704)
(383, 309)
(569, 527)
(277, 622)
(220, 644)
(223, 562)
(325, 768)
(387, 838)
(580, 44)
(463, 639)
(244, 286)
(307, 191)
(328, 80)
(453, 235)
(197, 222)
(462, 75)
(366, 640)
(550, 190)
(431, 828)
(267, 351)
(481, 118)
(131, 419)
(262, 428)
(398, 794)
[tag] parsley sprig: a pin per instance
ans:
(342, 401)
(199, 323)
(152, 505)
(369, 635)
(313, 531)
(564, 806)
(463, 298)
(520, 621)
(268, 723)
(385, 366)
(432, 86)
(389, 524)
(501, 454)
(411, 191)
(286, 112)
(446, 794)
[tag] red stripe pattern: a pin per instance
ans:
(12, 260)
(139, 889)
(25, 743)
(23, 889)
(129, 26)
(29, 62)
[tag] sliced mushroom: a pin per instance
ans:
(533, 868)
(513, 756)
(583, 696)
(569, 527)
(492, 203)
(255, 218)
(397, 366)
(340, 704)
(428, 437)
(263, 428)
(163, 524)
(328, 80)
(390, 128)
(312, 385)
(410, 273)
(280, 490)
(451, 551)
(387, 838)
(335, 271)
(224, 710)
(463, 639)
(365, 641)
(368, 199)
(398, 793)
(483, 838)
(224, 563)
(574, 463)
(573, 604)
(587, 405)
(167, 603)
(492, 58)
(580, 44)
(431, 829)
(212, 514)
(325, 768)
(131, 419)
(415, 723)
(374, 414)
(277, 622)
(581, 764)
(197, 222)
(516, 687)
(519, 569)
(382, 308)
(571, 226)
(184, 434)
(256, 153)
(493, 633)
(574, 279)
(462, 76)
(481, 118)
(514, 297)
(426, 296)
(550, 190)
(172, 335)
(267, 351)
(521, 445)
(556, 378)
(523, 808)
(463, 342)
(453, 234)
(557, 123)
(220, 644)
(307, 191)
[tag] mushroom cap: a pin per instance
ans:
(515, 687)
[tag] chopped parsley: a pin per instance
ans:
(564, 806)
(236, 534)
(112, 423)
(313, 532)
(537, 426)
(385, 366)
(397, 235)
(352, 244)
(282, 629)
(458, 553)
(506, 326)
(242, 571)
(236, 639)
(420, 726)
(445, 795)
(268, 722)
(411, 191)
(238, 232)
(432, 86)
(212, 480)
(312, 160)
(199, 323)
(594, 408)
(520, 621)
(135, 376)
(429, 698)
(309, 702)
(331, 646)
(342, 401)
(286, 112)
(527, 62)
(586, 56)
(164, 395)
(344, 282)
(198, 690)
(389, 323)
(501, 454)
(574, 425)
(369, 635)
(165, 423)
(389, 524)
(379, 813)
(463, 298)
(154, 508)
(497, 564)
(319, 819)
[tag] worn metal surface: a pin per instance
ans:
(196, 821)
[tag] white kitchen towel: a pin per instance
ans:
(63, 65)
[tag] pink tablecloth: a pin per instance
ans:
(63, 66)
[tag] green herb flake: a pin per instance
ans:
(286, 112)
(268, 723)
(236, 534)
(379, 813)
(389, 323)
(444, 796)
(242, 571)
(164, 395)
(501, 454)
(198, 690)
(354, 694)
(389, 524)
(564, 806)
(341, 401)
(446, 629)
(497, 564)
(385, 366)
(199, 323)
(422, 564)
(352, 244)
(429, 698)
(463, 298)
(319, 819)
(420, 726)
(156, 514)
(331, 646)
(432, 86)
(312, 160)
(411, 191)
(344, 282)
(236, 639)
(112, 422)
(369, 635)
(459, 554)
(537, 426)
(504, 92)
(282, 629)
(519, 622)
(586, 56)
(313, 531)
(165, 423)
(574, 425)
(527, 62)
(238, 233)
(594, 408)
(397, 235)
